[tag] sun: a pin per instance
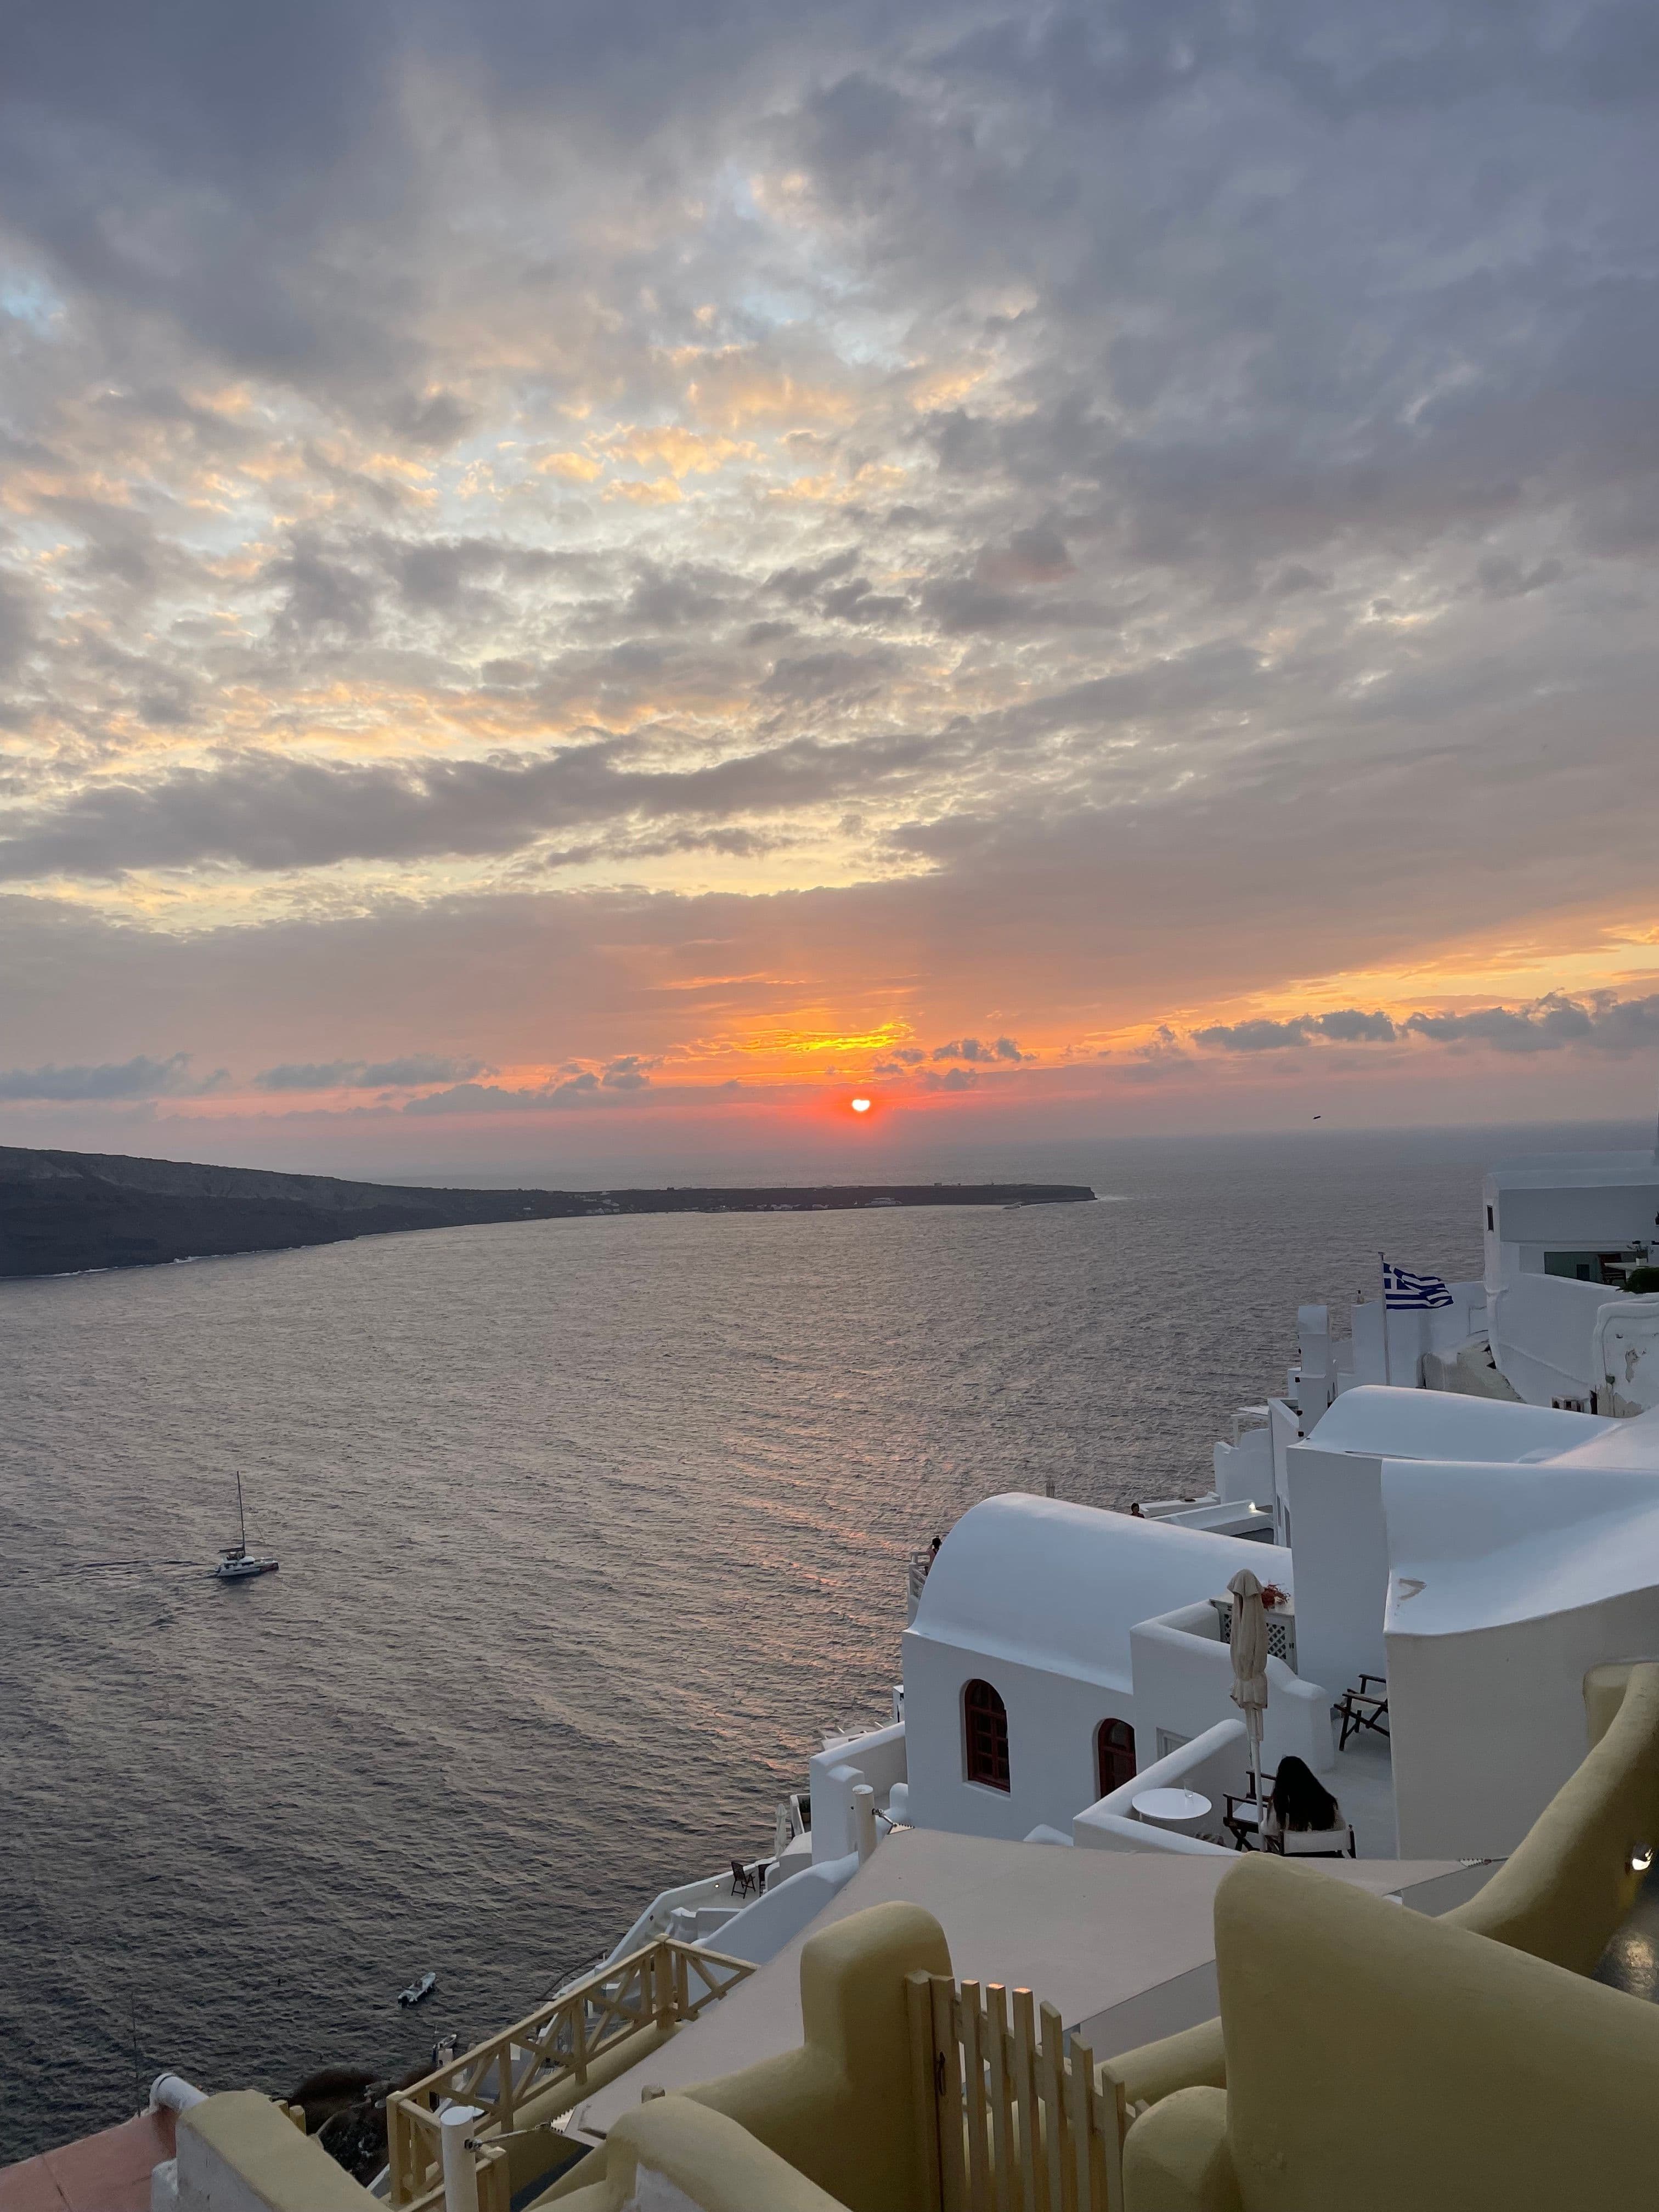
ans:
(860, 1105)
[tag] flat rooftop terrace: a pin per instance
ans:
(1121, 1942)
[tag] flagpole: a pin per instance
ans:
(1382, 1293)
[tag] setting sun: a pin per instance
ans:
(860, 1105)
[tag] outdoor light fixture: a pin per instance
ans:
(1641, 1859)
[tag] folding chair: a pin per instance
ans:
(1364, 1708)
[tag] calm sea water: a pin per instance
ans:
(586, 1529)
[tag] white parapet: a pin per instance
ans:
(878, 1759)
(1212, 1764)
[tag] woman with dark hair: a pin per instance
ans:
(1301, 1805)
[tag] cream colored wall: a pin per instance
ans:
(1570, 1882)
(673, 2153)
(239, 2152)
(1378, 2060)
(839, 2108)
(1562, 1894)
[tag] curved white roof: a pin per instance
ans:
(1473, 1547)
(1399, 1424)
(1058, 1586)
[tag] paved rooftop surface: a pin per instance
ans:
(1363, 1783)
(105, 2172)
(1088, 1931)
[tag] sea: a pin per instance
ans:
(588, 1529)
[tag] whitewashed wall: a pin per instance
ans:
(1488, 1725)
(1184, 1681)
(1541, 1332)
(1212, 1764)
(1052, 1722)
(879, 1759)
(1335, 1499)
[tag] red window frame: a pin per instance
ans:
(985, 1736)
(1115, 1755)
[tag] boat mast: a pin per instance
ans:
(240, 1516)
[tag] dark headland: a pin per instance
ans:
(64, 1212)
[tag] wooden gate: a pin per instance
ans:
(1007, 2119)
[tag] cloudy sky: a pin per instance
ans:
(583, 575)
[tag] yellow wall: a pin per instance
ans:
(706, 2157)
(1561, 1895)
(248, 2153)
(1570, 1882)
(838, 2109)
(1381, 2062)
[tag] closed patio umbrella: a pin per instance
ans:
(1249, 1652)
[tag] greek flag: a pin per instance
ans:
(1404, 1292)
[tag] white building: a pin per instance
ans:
(1460, 1504)
(1022, 1703)
(1508, 1583)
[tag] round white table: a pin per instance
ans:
(1180, 1809)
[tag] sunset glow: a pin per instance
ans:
(657, 589)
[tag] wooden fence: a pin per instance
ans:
(553, 2049)
(1007, 2119)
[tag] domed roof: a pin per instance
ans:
(1059, 1586)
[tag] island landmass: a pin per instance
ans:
(64, 1213)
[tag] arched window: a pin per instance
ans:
(984, 1722)
(1115, 1755)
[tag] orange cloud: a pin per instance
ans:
(572, 468)
(735, 384)
(682, 453)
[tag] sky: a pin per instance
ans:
(588, 580)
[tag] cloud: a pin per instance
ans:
(1601, 1020)
(627, 1073)
(1255, 1036)
(1111, 501)
(494, 1098)
(264, 810)
(972, 1048)
(140, 1077)
(407, 1074)
(1350, 1026)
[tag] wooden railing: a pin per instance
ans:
(552, 2049)
(1007, 2119)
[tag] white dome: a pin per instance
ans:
(1059, 1586)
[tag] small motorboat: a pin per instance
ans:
(419, 1990)
(236, 1563)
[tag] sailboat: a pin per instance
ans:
(236, 1563)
